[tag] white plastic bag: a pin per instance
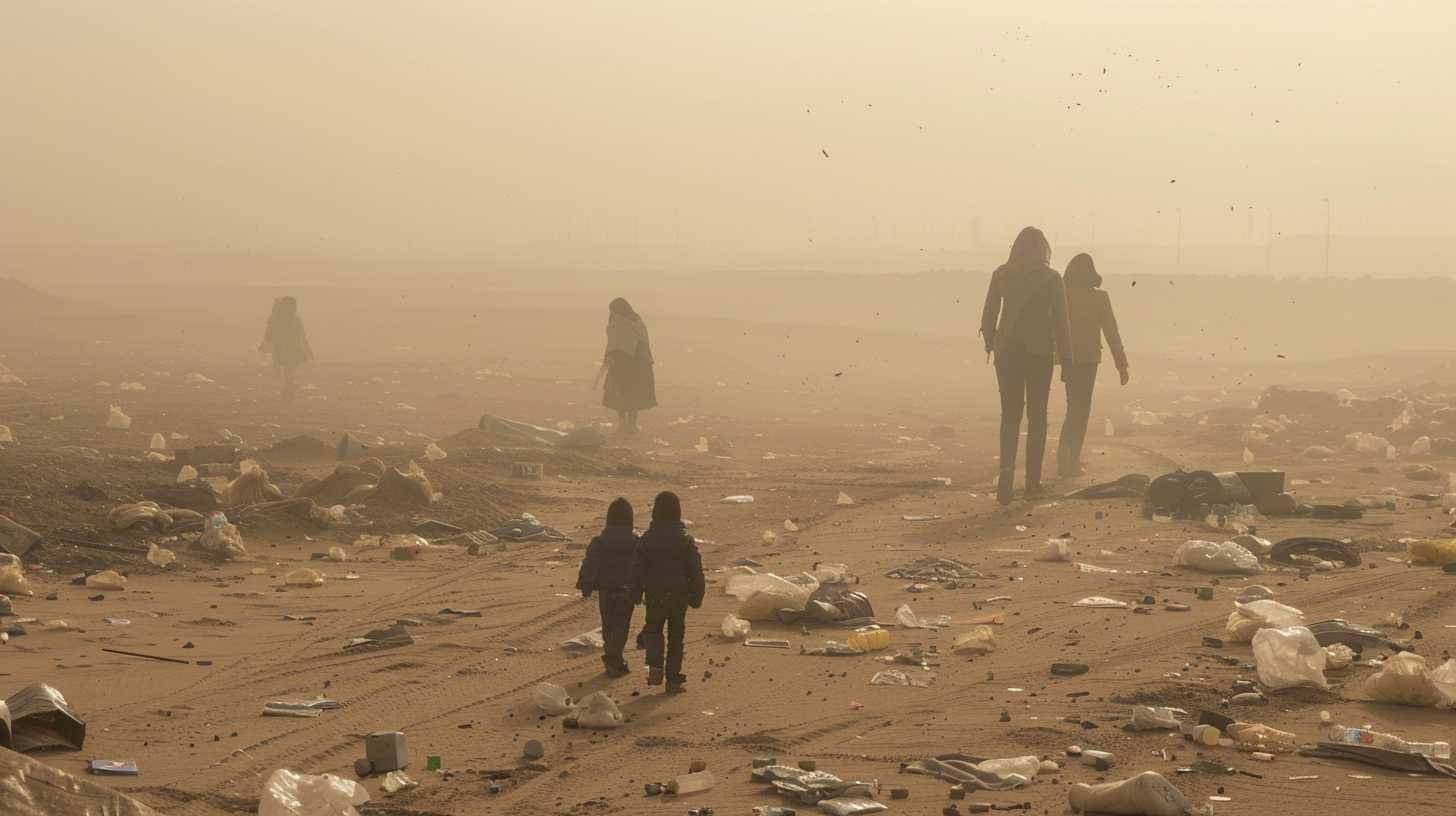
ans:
(1055, 549)
(1248, 618)
(762, 596)
(736, 628)
(1227, 558)
(287, 793)
(117, 420)
(598, 710)
(551, 699)
(1405, 679)
(12, 580)
(1147, 718)
(1147, 794)
(1289, 657)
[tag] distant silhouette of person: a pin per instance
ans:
(287, 342)
(627, 366)
(668, 576)
(1089, 310)
(607, 570)
(1024, 324)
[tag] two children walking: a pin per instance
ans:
(662, 568)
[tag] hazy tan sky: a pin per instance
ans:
(356, 127)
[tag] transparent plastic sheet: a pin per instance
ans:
(32, 788)
(288, 793)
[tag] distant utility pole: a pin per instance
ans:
(1327, 237)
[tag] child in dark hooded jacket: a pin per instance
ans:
(669, 575)
(607, 570)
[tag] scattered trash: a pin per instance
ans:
(934, 569)
(528, 528)
(220, 538)
(1432, 552)
(869, 639)
(987, 774)
(1147, 718)
(145, 514)
(294, 708)
(1306, 551)
(388, 637)
(12, 580)
(896, 677)
(691, 783)
(1055, 549)
(736, 500)
(585, 642)
(386, 751)
(1380, 758)
(396, 781)
(1390, 742)
(844, 500)
(288, 793)
(113, 767)
(1248, 618)
(1289, 657)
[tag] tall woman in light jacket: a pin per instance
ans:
(1025, 326)
(1089, 310)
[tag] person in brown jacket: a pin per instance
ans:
(1089, 310)
(1024, 324)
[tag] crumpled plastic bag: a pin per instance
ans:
(1148, 718)
(979, 640)
(251, 487)
(288, 793)
(224, 541)
(106, 580)
(117, 420)
(585, 642)
(1289, 657)
(1406, 679)
(907, 618)
(597, 710)
(761, 597)
(1338, 656)
(1054, 549)
(1249, 618)
(1227, 558)
(304, 577)
(12, 580)
(1369, 444)
(1147, 794)
(736, 628)
(160, 557)
(551, 699)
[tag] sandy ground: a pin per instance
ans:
(461, 691)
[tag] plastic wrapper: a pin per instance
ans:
(288, 793)
(304, 577)
(1249, 618)
(1290, 657)
(1055, 549)
(1227, 558)
(906, 617)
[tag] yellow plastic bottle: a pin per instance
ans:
(869, 639)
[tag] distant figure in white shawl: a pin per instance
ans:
(627, 367)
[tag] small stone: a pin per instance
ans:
(808, 765)
(957, 791)
(533, 749)
(363, 767)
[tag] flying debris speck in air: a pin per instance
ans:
(1172, 181)
(1281, 356)
(825, 152)
(839, 373)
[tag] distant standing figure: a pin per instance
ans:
(607, 571)
(627, 367)
(1024, 324)
(669, 575)
(287, 342)
(1089, 310)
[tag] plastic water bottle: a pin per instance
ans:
(1390, 742)
(216, 520)
(692, 783)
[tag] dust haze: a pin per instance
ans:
(809, 210)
